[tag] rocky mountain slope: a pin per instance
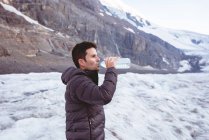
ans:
(26, 47)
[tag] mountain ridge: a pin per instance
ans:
(82, 20)
(191, 43)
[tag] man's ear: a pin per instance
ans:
(81, 62)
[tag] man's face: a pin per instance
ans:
(92, 60)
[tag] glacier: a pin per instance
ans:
(145, 106)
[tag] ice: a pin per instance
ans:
(145, 106)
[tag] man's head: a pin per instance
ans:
(85, 56)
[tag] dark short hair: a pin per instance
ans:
(79, 51)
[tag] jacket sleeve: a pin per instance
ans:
(88, 92)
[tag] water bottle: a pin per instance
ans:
(122, 63)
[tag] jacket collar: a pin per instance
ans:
(93, 75)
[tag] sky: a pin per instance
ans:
(189, 15)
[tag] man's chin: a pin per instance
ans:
(94, 69)
(97, 69)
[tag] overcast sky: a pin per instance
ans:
(192, 15)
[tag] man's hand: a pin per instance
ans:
(110, 62)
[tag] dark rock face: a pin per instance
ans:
(78, 20)
(25, 47)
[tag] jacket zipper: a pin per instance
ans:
(90, 129)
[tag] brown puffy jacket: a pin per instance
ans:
(85, 119)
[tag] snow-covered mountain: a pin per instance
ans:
(191, 43)
(149, 107)
(33, 35)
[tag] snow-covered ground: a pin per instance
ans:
(145, 106)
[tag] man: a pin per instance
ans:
(85, 119)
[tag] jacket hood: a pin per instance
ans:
(69, 73)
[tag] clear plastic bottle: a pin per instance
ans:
(122, 63)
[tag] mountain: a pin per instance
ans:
(27, 46)
(193, 44)
(36, 37)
